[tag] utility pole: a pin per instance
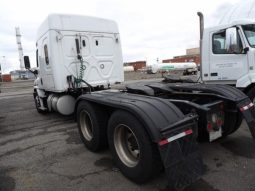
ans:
(1, 67)
(0, 74)
(1, 79)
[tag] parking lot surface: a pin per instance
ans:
(44, 152)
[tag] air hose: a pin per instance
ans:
(79, 79)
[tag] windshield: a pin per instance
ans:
(249, 31)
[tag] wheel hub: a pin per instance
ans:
(86, 125)
(126, 145)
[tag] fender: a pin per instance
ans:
(225, 92)
(156, 114)
(245, 80)
(222, 91)
(40, 92)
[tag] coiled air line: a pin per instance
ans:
(79, 79)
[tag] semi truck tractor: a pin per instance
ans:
(228, 49)
(148, 126)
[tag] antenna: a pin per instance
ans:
(18, 37)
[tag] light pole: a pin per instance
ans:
(0, 74)
(1, 69)
(3, 63)
(1, 80)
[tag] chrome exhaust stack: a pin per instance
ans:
(201, 29)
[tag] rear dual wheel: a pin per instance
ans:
(232, 123)
(133, 152)
(92, 126)
(251, 94)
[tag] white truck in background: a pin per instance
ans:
(228, 50)
(148, 125)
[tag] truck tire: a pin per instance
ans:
(134, 153)
(251, 94)
(232, 123)
(92, 126)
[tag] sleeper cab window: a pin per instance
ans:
(83, 43)
(46, 54)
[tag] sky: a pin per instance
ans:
(149, 29)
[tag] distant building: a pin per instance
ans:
(192, 55)
(137, 65)
(21, 74)
(193, 51)
(5, 78)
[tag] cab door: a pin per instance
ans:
(224, 65)
(45, 65)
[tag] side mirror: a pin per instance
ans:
(35, 72)
(27, 62)
(245, 50)
(231, 40)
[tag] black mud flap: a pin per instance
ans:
(248, 110)
(182, 161)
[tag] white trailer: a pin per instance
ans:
(128, 68)
(186, 68)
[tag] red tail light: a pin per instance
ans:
(209, 126)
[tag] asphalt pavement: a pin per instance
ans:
(44, 153)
